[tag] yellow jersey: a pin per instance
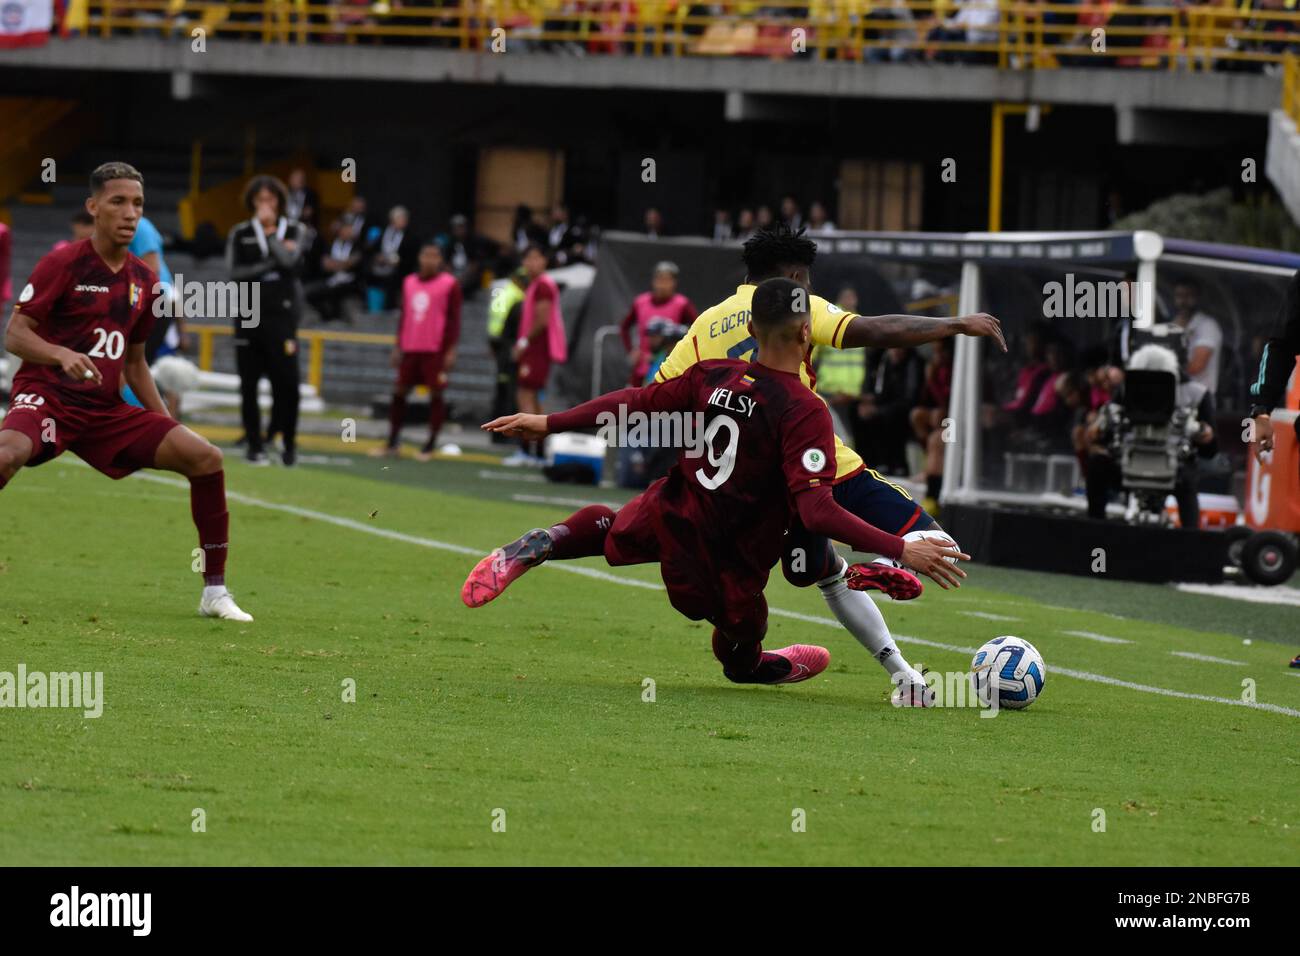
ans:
(723, 332)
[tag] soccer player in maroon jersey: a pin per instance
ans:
(715, 524)
(80, 326)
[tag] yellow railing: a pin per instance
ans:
(1024, 35)
(1291, 88)
(316, 339)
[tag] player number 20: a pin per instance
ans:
(725, 460)
(108, 344)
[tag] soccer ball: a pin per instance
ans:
(1014, 667)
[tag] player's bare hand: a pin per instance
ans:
(80, 368)
(935, 557)
(983, 325)
(520, 425)
(1263, 436)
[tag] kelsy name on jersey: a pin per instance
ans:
(726, 398)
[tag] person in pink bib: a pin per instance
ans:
(426, 345)
(540, 345)
(663, 300)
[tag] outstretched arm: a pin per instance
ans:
(672, 396)
(907, 331)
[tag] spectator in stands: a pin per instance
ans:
(893, 388)
(745, 227)
(1030, 378)
(662, 301)
(818, 222)
(355, 216)
(525, 230)
(791, 214)
(427, 333)
(268, 249)
(1202, 335)
(82, 225)
(303, 200)
(654, 223)
(975, 21)
(503, 330)
(561, 236)
(340, 268)
(540, 345)
(466, 252)
(392, 257)
(763, 218)
(928, 419)
(721, 225)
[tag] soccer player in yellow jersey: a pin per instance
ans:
(723, 332)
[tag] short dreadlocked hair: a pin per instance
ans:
(768, 251)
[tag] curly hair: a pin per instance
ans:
(277, 188)
(768, 252)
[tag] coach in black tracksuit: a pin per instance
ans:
(269, 249)
(1275, 367)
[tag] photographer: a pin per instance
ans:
(1193, 413)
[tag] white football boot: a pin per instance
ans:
(221, 603)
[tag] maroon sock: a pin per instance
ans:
(582, 534)
(437, 409)
(208, 508)
(396, 413)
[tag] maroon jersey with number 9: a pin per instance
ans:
(78, 302)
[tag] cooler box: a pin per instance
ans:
(577, 448)
(1273, 488)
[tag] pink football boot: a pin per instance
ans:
(899, 583)
(499, 569)
(806, 661)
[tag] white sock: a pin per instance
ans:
(861, 618)
(212, 591)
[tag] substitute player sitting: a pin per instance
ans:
(716, 523)
(80, 327)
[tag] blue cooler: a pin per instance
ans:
(577, 448)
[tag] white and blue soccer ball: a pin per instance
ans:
(1013, 668)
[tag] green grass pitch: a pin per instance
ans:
(530, 711)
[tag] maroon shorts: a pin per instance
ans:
(703, 582)
(535, 366)
(421, 368)
(116, 440)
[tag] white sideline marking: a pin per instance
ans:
(567, 502)
(500, 474)
(986, 615)
(1207, 658)
(1099, 638)
(1281, 594)
(631, 582)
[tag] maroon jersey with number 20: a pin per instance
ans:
(81, 304)
(715, 523)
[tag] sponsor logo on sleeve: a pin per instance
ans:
(814, 459)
